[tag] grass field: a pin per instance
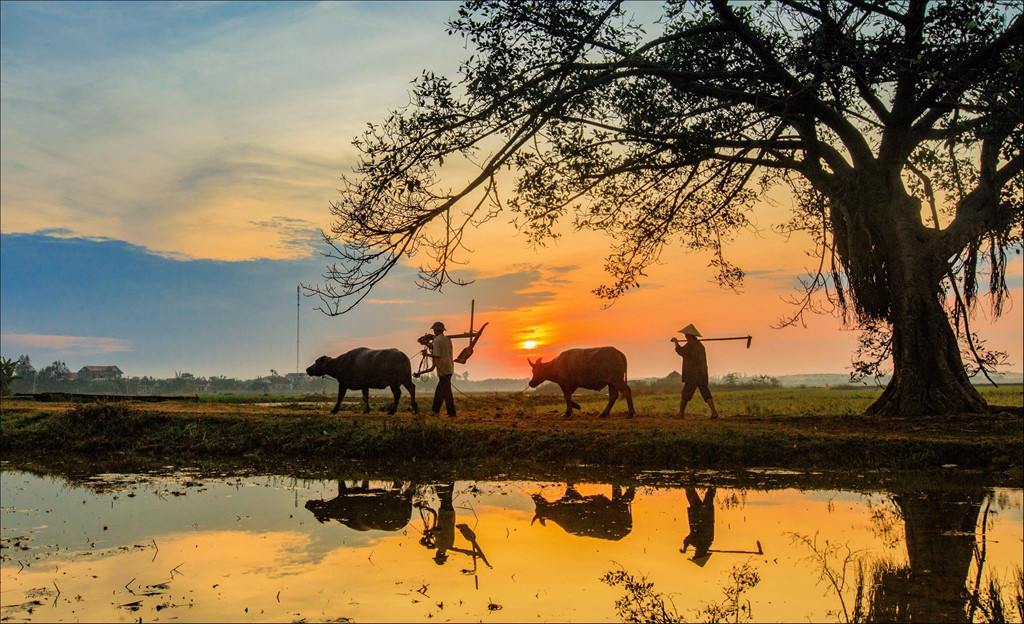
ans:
(784, 427)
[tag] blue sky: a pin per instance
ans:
(150, 314)
(167, 168)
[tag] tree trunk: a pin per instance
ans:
(928, 370)
(928, 373)
(896, 269)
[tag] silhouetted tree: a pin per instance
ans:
(896, 125)
(24, 368)
(24, 374)
(765, 380)
(51, 377)
(7, 374)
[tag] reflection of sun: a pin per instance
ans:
(530, 344)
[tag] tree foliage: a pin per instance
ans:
(23, 367)
(897, 127)
(7, 375)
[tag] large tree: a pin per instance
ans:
(897, 125)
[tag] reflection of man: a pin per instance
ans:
(695, 370)
(445, 364)
(440, 532)
(444, 532)
(701, 514)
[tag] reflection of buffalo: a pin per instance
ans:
(364, 508)
(592, 369)
(362, 369)
(589, 516)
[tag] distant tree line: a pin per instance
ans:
(21, 377)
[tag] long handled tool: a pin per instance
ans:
(747, 338)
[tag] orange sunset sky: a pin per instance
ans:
(167, 169)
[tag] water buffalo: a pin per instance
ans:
(362, 369)
(589, 516)
(592, 369)
(364, 508)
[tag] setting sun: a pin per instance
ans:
(530, 344)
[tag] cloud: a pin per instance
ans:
(184, 129)
(528, 286)
(55, 232)
(295, 236)
(66, 345)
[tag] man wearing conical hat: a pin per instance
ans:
(695, 370)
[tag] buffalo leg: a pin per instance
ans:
(569, 403)
(623, 494)
(613, 396)
(366, 400)
(396, 391)
(628, 393)
(341, 395)
(411, 387)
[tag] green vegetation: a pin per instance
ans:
(7, 375)
(641, 603)
(780, 427)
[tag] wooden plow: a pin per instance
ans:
(427, 340)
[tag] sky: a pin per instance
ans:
(167, 169)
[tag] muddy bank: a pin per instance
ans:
(491, 431)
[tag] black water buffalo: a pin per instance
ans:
(364, 508)
(589, 516)
(592, 368)
(362, 369)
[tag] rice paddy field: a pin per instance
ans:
(804, 428)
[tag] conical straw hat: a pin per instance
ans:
(690, 329)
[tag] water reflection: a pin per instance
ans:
(700, 514)
(367, 509)
(595, 515)
(939, 529)
(284, 549)
(440, 525)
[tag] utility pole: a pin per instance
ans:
(297, 328)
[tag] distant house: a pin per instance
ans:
(95, 373)
(276, 384)
(296, 379)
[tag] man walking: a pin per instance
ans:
(441, 352)
(695, 370)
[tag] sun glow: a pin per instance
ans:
(530, 344)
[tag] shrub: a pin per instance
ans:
(115, 418)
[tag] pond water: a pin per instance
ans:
(187, 546)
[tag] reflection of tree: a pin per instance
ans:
(641, 603)
(940, 538)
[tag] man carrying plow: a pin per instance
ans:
(437, 354)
